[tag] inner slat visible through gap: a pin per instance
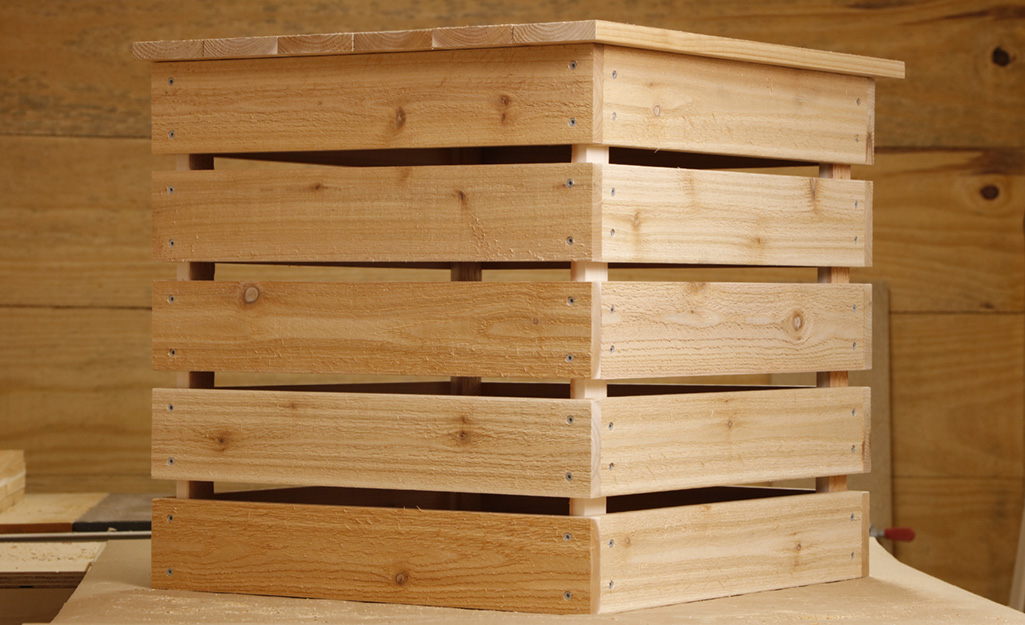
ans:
(833, 275)
(186, 489)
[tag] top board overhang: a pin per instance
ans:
(511, 35)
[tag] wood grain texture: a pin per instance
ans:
(700, 552)
(418, 442)
(948, 229)
(46, 564)
(453, 328)
(667, 442)
(60, 51)
(671, 102)
(708, 217)
(424, 99)
(965, 529)
(962, 415)
(38, 513)
(449, 214)
(74, 390)
(672, 329)
(594, 31)
(464, 559)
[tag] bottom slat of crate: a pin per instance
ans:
(655, 557)
(502, 561)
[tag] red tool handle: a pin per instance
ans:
(903, 534)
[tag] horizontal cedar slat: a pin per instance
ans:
(426, 557)
(516, 446)
(676, 102)
(658, 329)
(421, 442)
(502, 96)
(510, 213)
(654, 214)
(458, 329)
(667, 442)
(731, 548)
(397, 214)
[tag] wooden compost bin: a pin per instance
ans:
(576, 145)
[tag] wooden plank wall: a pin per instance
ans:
(75, 266)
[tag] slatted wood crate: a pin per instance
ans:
(542, 487)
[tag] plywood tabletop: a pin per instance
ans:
(116, 590)
(510, 35)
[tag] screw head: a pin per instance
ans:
(170, 190)
(170, 82)
(569, 357)
(569, 420)
(171, 352)
(854, 448)
(567, 595)
(569, 183)
(567, 537)
(612, 232)
(170, 299)
(569, 240)
(612, 465)
(612, 349)
(612, 542)
(570, 301)
(613, 192)
(852, 516)
(610, 584)
(610, 425)
(613, 116)
(857, 138)
(569, 477)
(170, 462)
(170, 572)
(170, 243)
(614, 74)
(572, 64)
(170, 407)
(170, 134)
(572, 121)
(170, 518)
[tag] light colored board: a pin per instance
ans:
(46, 564)
(670, 102)
(420, 442)
(673, 329)
(510, 213)
(666, 442)
(461, 98)
(452, 213)
(596, 31)
(701, 552)
(47, 512)
(965, 530)
(708, 217)
(958, 405)
(12, 477)
(377, 554)
(452, 328)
